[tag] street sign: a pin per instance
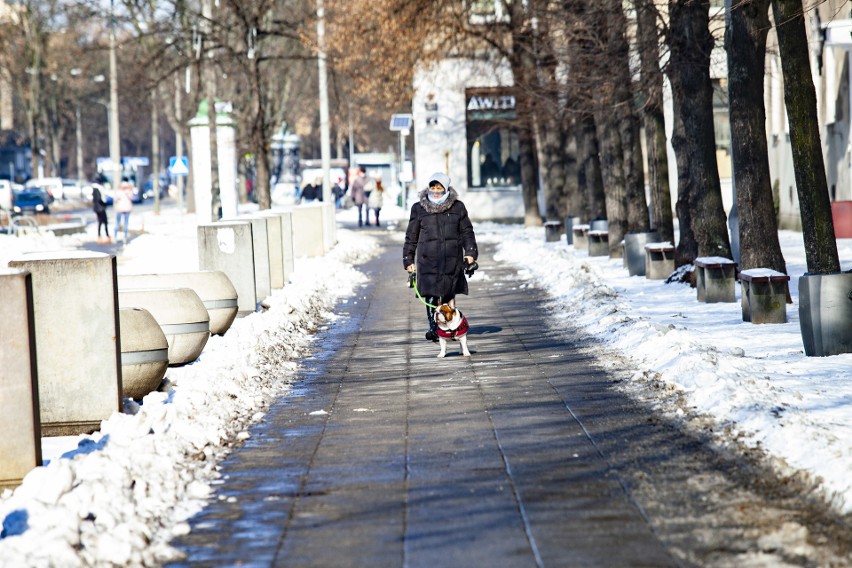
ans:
(179, 166)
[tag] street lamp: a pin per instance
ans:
(114, 140)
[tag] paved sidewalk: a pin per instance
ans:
(507, 458)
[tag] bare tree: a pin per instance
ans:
(800, 98)
(745, 42)
(653, 119)
(703, 227)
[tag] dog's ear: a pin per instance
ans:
(452, 304)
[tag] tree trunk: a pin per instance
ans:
(690, 44)
(687, 246)
(653, 120)
(155, 149)
(590, 179)
(745, 42)
(553, 170)
(524, 69)
(261, 142)
(636, 219)
(574, 199)
(612, 160)
(808, 165)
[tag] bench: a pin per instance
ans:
(715, 279)
(598, 243)
(764, 295)
(659, 260)
(580, 236)
(553, 231)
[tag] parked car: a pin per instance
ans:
(31, 200)
(73, 189)
(53, 186)
(148, 187)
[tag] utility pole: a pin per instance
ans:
(210, 85)
(115, 139)
(325, 138)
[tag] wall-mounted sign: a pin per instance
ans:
(490, 104)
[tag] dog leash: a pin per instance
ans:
(412, 282)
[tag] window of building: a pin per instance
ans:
(492, 139)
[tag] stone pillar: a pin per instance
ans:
(20, 444)
(227, 246)
(77, 333)
(227, 156)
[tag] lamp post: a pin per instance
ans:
(114, 140)
(325, 138)
(78, 131)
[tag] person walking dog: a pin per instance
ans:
(439, 245)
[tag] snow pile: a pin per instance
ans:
(127, 488)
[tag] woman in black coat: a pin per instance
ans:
(440, 241)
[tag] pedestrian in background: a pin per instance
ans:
(123, 207)
(376, 200)
(99, 207)
(359, 194)
(313, 191)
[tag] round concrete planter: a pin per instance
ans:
(215, 289)
(634, 251)
(181, 316)
(144, 352)
(825, 313)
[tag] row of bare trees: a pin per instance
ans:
(583, 104)
(259, 55)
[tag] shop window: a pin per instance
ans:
(492, 139)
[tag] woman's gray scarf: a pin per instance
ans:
(437, 207)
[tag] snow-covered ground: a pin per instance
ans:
(118, 496)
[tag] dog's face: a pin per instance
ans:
(445, 312)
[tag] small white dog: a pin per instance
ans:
(451, 325)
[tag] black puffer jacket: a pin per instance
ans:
(439, 236)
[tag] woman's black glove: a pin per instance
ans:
(470, 268)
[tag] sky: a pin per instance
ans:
(121, 494)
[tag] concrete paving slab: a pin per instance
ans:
(424, 462)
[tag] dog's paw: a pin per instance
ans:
(441, 355)
(466, 353)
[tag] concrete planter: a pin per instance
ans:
(634, 251)
(825, 313)
(77, 339)
(20, 444)
(553, 231)
(598, 243)
(581, 237)
(144, 352)
(228, 247)
(215, 289)
(181, 316)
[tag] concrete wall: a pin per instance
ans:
(20, 444)
(227, 246)
(308, 230)
(77, 333)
